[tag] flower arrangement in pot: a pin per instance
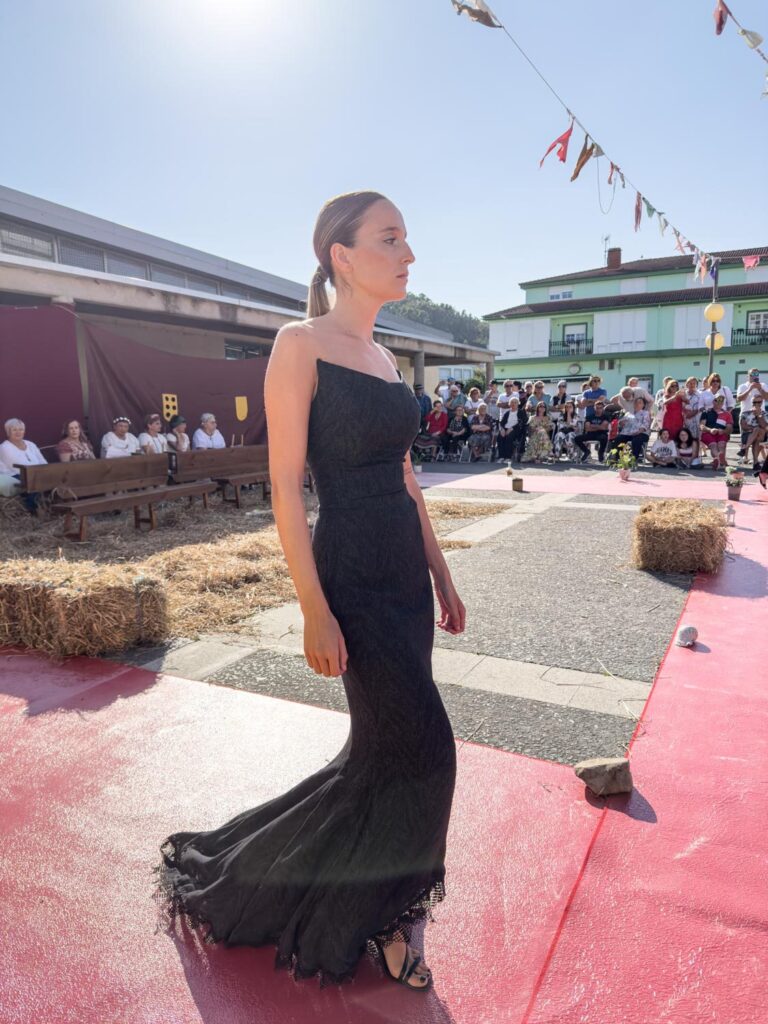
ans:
(622, 459)
(734, 481)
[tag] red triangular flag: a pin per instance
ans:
(750, 262)
(562, 146)
(720, 14)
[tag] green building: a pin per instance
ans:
(640, 319)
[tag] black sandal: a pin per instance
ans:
(409, 966)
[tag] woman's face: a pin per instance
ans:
(691, 385)
(120, 429)
(570, 407)
(541, 409)
(209, 426)
(153, 426)
(73, 430)
(683, 438)
(715, 384)
(16, 434)
(482, 409)
(639, 405)
(377, 264)
(437, 407)
(180, 428)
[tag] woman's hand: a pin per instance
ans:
(324, 646)
(453, 611)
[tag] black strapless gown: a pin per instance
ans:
(356, 850)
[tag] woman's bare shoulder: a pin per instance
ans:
(392, 358)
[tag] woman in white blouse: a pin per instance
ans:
(207, 435)
(152, 442)
(119, 441)
(177, 436)
(16, 451)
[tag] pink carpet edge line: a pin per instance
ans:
(598, 827)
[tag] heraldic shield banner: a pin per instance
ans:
(126, 378)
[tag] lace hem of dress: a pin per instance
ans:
(171, 907)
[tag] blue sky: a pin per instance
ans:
(224, 124)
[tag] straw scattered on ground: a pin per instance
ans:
(679, 536)
(217, 568)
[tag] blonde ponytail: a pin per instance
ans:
(318, 304)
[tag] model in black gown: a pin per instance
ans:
(356, 850)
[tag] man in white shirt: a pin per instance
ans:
(750, 389)
(207, 434)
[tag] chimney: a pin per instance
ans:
(614, 259)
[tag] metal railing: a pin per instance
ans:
(576, 347)
(744, 339)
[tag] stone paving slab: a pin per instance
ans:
(199, 659)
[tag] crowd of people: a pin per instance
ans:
(520, 422)
(74, 446)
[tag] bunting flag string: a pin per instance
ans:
(479, 11)
(754, 40)
(750, 262)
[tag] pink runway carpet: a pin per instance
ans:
(560, 908)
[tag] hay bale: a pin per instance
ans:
(678, 536)
(66, 608)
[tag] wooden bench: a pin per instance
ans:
(81, 489)
(229, 467)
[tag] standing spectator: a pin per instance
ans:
(634, 429)
(512, 428)
(457, 430)
(663, 450)
(755, 427)
(525, 393)
(592, 395)
(625, 400)
(716, 387)
(507, 393)
(658, 400)
(692, 407)
(640, 391)
(443, 389)
(673, 410)
(74, 446)
(456, 399)
(15, 451)
(207, 434)
(581, 410)
(491, 399)
(481, 432)
(557, 402)
(424, 402)
(473, 400)
(119, 441)
(539, 444)
(746, 393)
(538, 396)
(177, 436)
(596, 428)
(152, 441)
(716, 427)
(566, 430)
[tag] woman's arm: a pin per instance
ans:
(291, 371)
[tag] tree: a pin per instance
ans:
(465, 328)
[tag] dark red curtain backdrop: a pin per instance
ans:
(39, 376)
(126, 378)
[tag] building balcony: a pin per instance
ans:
(570, 348)
(749, 339)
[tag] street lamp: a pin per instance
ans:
(714, 339)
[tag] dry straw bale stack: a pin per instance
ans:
(678, 536)
(66, 608)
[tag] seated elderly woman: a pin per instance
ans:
(74, 446)
(152, 441)
(481, 433)
(177, 436)
(119, 441)
(14, 452)
(207, 435)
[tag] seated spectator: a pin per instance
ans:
(596, 428)
(687, 449)
(481, 433)
(430, 439)
(593, 394)
(74, 446)
(456, 398)
(537, 396)
(716, 427)
(177, 437)
(15, 451)
(207, 435)
(634, 429)
(119, 441)
(568, 426)
(456, 431)
(152, 441)
(754, 429)
(663, 450)
(539, 444)
(473, 400)
(512, 430)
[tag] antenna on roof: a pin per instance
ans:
(606, 239)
